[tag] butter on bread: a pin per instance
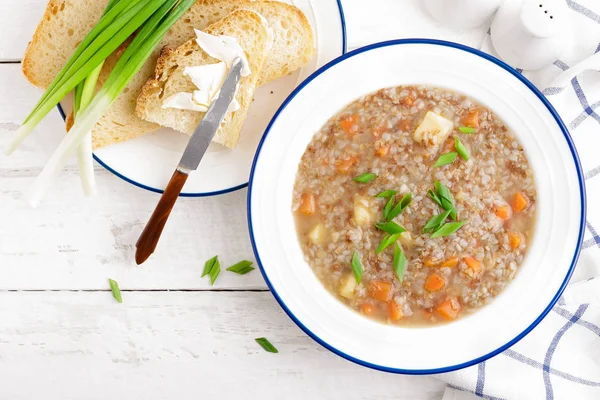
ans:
(64, 25)
(253, 37)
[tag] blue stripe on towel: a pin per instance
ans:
(483, 396)
(590, 243)
(594, 241)
(591, 229)
(581, 117)
(586, 324)
(583, 100)
(592, 173)
(549, 91)
(589, 110)
(554, 345)
(480, 379)
(533, 363)
(583, 10)
(561, 64)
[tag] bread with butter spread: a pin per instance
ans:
(64, 25)
(252, 36)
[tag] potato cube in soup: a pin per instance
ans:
(348, 286)
(318, 234)
(362, 215)
(433, 130)
(406, 239)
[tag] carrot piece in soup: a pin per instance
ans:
(502, 212)
(382, 151)
(434, 283)
(408, 101)
(514, 239)
(350, 124)
(380, 290)
(394, 312)
(450, 263)
(449, 308)
(471, 119)
(345, 165)
(473, 264)
(307, 204)
(448, 146)
(430, 262)
(520, 202)
(367, 309)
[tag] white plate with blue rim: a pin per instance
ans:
(552, 254)
(148, 161)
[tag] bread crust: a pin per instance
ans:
(247, 27)
(120, 122)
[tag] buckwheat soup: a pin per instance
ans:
(414, 205)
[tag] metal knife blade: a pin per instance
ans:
(209, 125)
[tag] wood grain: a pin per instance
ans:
(72, 242)
(365, 22)
(18, 21)
(174, 346)
(70, 340)
(146, 244)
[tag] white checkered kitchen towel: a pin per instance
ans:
(560, 358)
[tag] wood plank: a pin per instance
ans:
(18, 99)
(175, 345)
(18, 20)
(159, 344)
(366, 23)
(71, 242)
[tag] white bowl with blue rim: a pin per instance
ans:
(552, 254)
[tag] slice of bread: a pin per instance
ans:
(293, 40)
(63, 27)
(252, 36)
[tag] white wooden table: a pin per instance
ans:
(174, 336)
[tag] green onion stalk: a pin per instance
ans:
(122, 20)
(139, 50)
(84, 92)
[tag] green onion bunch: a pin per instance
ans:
(149, 20)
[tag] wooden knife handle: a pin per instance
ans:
(151, 233)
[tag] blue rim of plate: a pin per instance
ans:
(217, 192)
(558, 120)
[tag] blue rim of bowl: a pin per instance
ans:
(217, 192)
(558, 120)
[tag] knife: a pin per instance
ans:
(189, 162)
